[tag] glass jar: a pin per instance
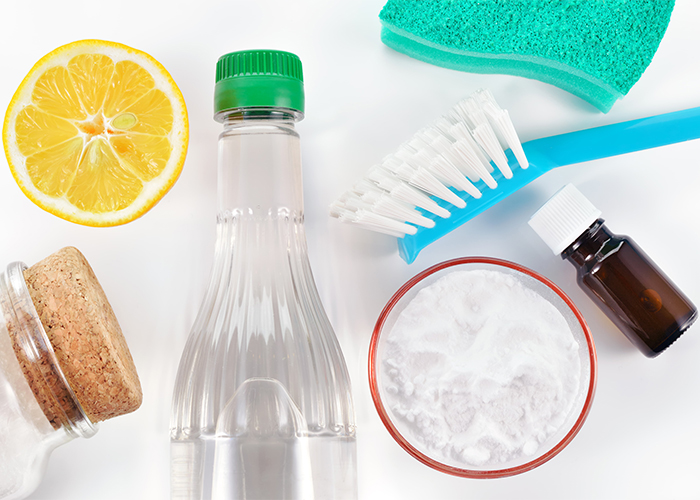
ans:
(38, 409)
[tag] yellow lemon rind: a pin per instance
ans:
(154, 190)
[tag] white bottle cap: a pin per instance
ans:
(564, 218)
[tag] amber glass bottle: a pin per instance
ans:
(632, 291)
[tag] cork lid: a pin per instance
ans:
(85, 335)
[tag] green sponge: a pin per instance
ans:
(595, 49)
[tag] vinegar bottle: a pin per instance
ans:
(262, 407)
(615, 273)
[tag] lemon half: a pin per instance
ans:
(96, 133)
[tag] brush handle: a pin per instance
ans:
(558, 151)
(616, 139)
(411, 245)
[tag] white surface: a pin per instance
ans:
(642, 437)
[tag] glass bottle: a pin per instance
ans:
(262, 406)
(615, 273)
(27, 434)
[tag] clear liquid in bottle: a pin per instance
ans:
(262, 407)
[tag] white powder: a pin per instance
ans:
(480, 369)
(23, 425)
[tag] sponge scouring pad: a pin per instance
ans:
(596, 50)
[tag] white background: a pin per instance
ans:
(642, 438)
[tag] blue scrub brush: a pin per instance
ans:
(471, 158)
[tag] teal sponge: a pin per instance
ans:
(595, 49)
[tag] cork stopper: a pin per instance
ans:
(85, 335)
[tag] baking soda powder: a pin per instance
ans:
(479, 369)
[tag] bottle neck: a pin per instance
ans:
(590, 245)
(36, 357)
(259, 169)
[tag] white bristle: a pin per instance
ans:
(441, 166)
(403, 192)
(393, 164)
(353, 202)
(467, 111)
(427, 181)
(415, 155)
(462, 134)
(455, 151)
(465, 153)
(503, 125)
(421, 178)
(423, 154)
(365, 186)
(383, 178)
(484, 135)
(444, 143)
(384, 204)
(419, 155)
(370, 220)
(404, 153)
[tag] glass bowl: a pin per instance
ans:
(401, 431)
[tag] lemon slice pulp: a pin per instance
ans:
(96, 133)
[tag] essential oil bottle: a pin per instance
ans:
(615, 273)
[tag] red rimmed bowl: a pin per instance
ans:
(403, 432)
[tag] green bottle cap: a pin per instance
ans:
(259, 79)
